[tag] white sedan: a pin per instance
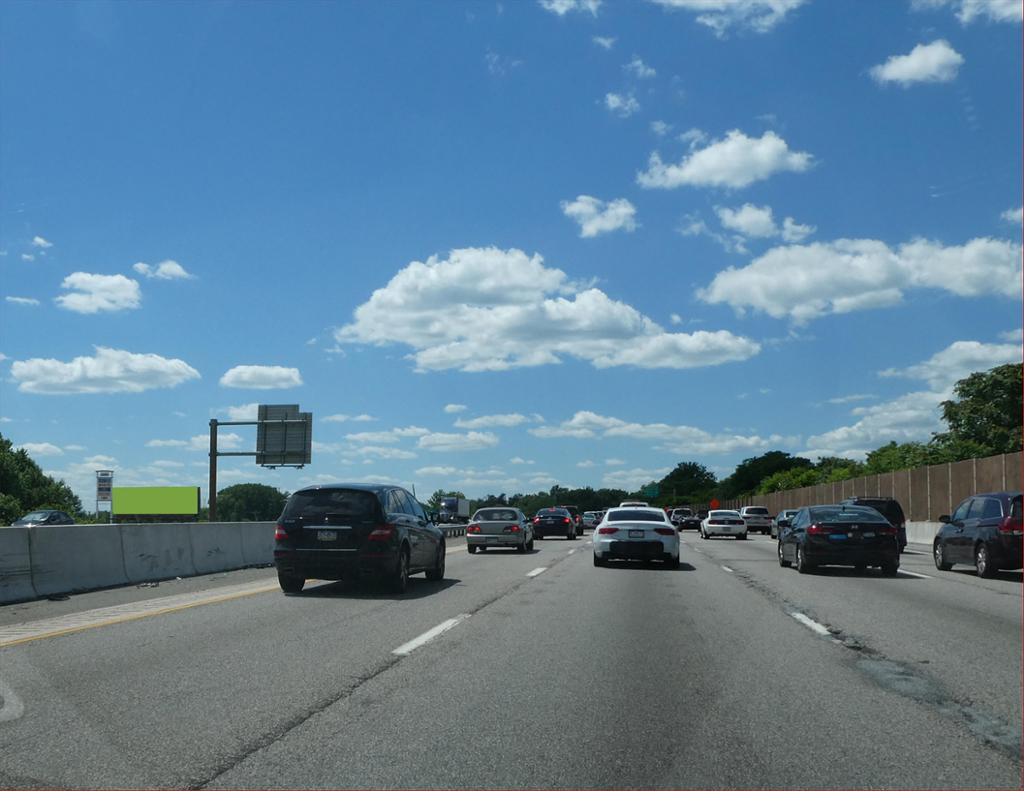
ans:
(636, 533)
(723, 523)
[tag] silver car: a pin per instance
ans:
(758, 519)
(499, 528)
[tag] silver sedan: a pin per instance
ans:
(499, 527)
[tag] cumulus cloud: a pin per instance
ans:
(389, 436)
(674, 438)
(490, 309)
(225, 441)
(520, 460)
(27, 257)
(721, 15)
(363, 418)
(660, 128)
(734, 161)
(563, 7)
(637, 68)
(605, 42)
(40, 449)
(261, 377)
(805, 282)
(41, 243)
(451, 409)
(21, 300)
(165, 270)
(472, 440)
(384, 452)
(243, 411)
(585, 463)
(1015, 216)
(943, 369)
(634, 478)
(99, 293)
(935, 62)
(595, 217)
(622, 105)
(849, 399)
(693, 138)
(750, 221)
(493, 421)
(108, 371)
(969, 10)
(166, 443)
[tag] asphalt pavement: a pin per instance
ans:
(532, 670)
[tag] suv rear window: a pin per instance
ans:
(890, 509)
(353, 504)
(756, 511)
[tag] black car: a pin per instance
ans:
(44, 517)
(554, 522)
(839, 535)
(678, 517)
(347, 531)
(577, 518)
(985, 530)
(888, 507)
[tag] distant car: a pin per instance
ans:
(591, 518)
(43, 517)
(677, 516)
(577, 518)
(887, 507)
(351, 530)
(633, 504)
(782, 520)
(554, 522)
(839, 535)
(636, 533)
(758, 519)
(723, 523)
(499, 527)
(985, 530)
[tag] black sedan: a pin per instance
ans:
(985, 531)
(554, 522)
(839, 535)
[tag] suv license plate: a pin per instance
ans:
(326, 535)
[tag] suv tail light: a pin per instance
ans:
(280, 534)
(665, 531)
(607, 531)
(1011, 527)
(381, 533)
(473, 528)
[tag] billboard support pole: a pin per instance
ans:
(212, 516)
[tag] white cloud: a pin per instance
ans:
(166, 443)
(389, 436)
(384, 452)
(719, 15)
(621, 105)
(734, 161)
(793, 232)
(1013, 336)
(673, 438)
(1015, 216)
(637, 68)
(27, 257)
(809, 281)
(969, 10)
(935, 62)
(943, 369)
(225, 441)
(633, 479)
(363, 418)
(594, 216)
(108, 371)
(40, 242)
(261, 377)
(243, 411)
(613, 462)
(490, 310)
(849, 399)
(165, 270)
(676, 319)
(451, 409)
(22, 300)
(605, 42)
(445, 471)
(94, 293)
(74, 448)
(660, 128)
(585, 464)
(520, 460)
(749, 220)
(40, 449)
(170, 465)
(473, 440)
(500, 65)
(693, 138)
(563, 7)
(493, 421)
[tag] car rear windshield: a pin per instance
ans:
(552, 512)
(635, 516)
(354, 504)
(846, 514)
(723, 514)
(495, 515)
(889, 508)
(757, 511)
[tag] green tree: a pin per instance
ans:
(750, 472)
(834, 468)
(26, 488)
(689, 482)
(984, 417)
(794, 478)
(250, 502)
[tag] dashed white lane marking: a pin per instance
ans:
(571, 551)
(407, 648)
(811, 624)
(10, 706)
(726, 568)
(536, 571)
(914, 574)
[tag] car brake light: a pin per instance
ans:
(888, 530)
(1011, 527)
(512, 529)
(280, 534)
(567, 520)
(818, 530)
(473, 529)
(381, 533)
(665, 531)
(607, 531)
(536, 520)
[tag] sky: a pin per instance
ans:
(498, 246)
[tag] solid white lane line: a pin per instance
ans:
(811, 624)
(726, 568)
(407, 648)
(536, 571)
(915, 574)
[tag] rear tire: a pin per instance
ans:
(939, 554)
(598, 561)
(471, 549)
(890, 567)
(571, 536)
(399, 580)
(672, 562)
(802, 564)
(741, 537)
(436, 574)
(290, 583)
(521, 547)
(529, 546)
(782, 561)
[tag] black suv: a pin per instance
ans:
(984, 530)
(574, 512)
(887, 507)
(346, 531)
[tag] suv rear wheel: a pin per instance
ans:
(290, 583)
(399, 580)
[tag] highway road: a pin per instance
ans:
(524, 671)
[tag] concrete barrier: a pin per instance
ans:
(157, 552)
(215, 546)
(67, 558)
(15, 565)
(257, 543)
(922, 532)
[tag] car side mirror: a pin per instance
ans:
(945, 519)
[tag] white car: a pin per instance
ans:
(723, 523)
(633, 504)
(636, 533)
(758, 518)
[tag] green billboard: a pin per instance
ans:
(156, 500)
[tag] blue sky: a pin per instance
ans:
(496, 246)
